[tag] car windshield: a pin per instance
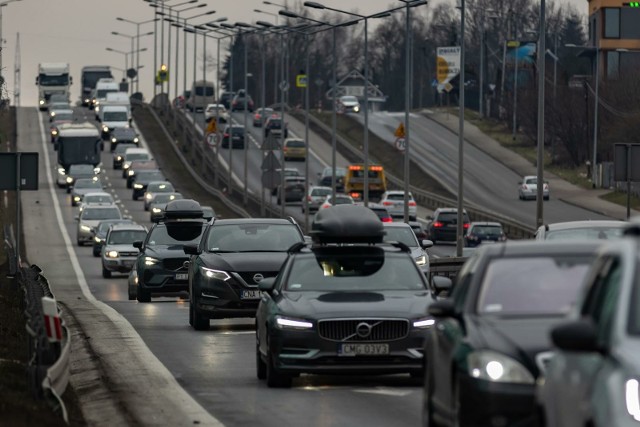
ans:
(344, 271)
(121, 148)
(148, 176)
(102, 93)
(166, 198)
(62, 116)
(487, 230)
(349, 99)
(116, 116)
(137, 156)
(93, 214)
(87, 183)
(98, 198)
(534, 286)
(401, 234)
(125, 237)
(295, 143)
(589, 233)
(160, 236)
(124, 133)
(103, 226)
(80, 169)
(321, 192)
(160, 187)
(252, 237)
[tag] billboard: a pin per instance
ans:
(447, 65)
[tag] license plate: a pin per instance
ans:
(182, 276)
(251, 294)
(363, 349)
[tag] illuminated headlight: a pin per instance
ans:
(135, 280)
(76, 198)
(150, 260)
(97, 102)
(119, 158)
(54, 132)
(86, 101)
(148, 196)
(632, 398)
(61, 171)
(42, 102)
(96, 170)
(287, 323)
(215, 274)
(114, 140)
(495, 367)
(85, 228)
(423, 323)
(356, 108)
(421, 260)
(136, 140)
(156, 210)
(112, 254)
(69, 180)
(105, 129)
(138, 186)
(97, 239)
(53, 114)
(126, 165)
(131, 173)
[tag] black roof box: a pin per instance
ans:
(347, 224)
(183, 209)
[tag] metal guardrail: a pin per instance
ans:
(9, 249)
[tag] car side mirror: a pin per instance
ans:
(442, 284)
(579, 336)
(138, 244)
(426, 244)
(266, 285)
(191, 249)
(441, 309)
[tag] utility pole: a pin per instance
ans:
(16, 74)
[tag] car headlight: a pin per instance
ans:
(131, 173)
(114, 140)
(215, 274)
(54, 132)
(85, 228)
(150, 260)
(105, 129)
(97, 239)
(69, 180)
(424, 323)
(126, 165)
(136, 140)
(112, 254)
(495, 367)
(156, 210)
(632, 398)
(61, 171)
(76, 198)
(138, 186)
(148, 196)
(96, 170)
(42, 102)
(119, 158)
(289, 323)
(356, 108)
(421, 260)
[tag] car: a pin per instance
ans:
(288, 172)
(61, 117)
(132, 154)
(528, 188)
(59, 97)
(225, 99)
(161, 266)
(238, 102)
(294, 149)
(483, 232)
(341, 199)
(159, 203)
(260, 116)
(394, 201)
(208, 213)
(403, 233)
(89, 218)
(100, 233)
(443, 224)
(381, 211)
(155, 188)
(124, 135)
(294, 189)
(233, 134)
(118, 154)
(232, 258)
(143, 178)
(98, 198)
(594, 368)
(489, 342)
(55, 107)
(83, 186)
(326, 178)
(79, 171)
(348, 104)
(118, 253)
(346, 304)
(599, 229)
(315, 196)
(136, 166)
(273, 125)
(216, 110)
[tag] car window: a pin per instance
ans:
(585, 233)
(98, 198)
(401, 234)
(320, 191)
(532, 286)
(94, 214)
(634, 314)
(137, 156)
(463, 280)
(159, 235)
(252, 237)
(125, 237)
(531, 181)
(348, 271)
(295, 143)
(166, 198)
(163, 187)
(87, 183)
(343, 201)
(487, 230)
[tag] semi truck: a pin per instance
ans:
(77, 143)
(90, 76)
(53, 78)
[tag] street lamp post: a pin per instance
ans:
(460, 219)
(541, 95)
(138, 24)
(134, 64)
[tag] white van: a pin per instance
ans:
(103, 87)
(115, 98)
(202, 94)
(113, 116)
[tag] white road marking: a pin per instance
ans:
(385, 391)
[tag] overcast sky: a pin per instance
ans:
(79, 31)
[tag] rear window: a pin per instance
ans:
(589, 233)
(488, 230)
(343, 201)
(204, 91)
(320, 191)
(360, 174)
(451, 217)
(252, 237)
(398, 196)
(296, 143)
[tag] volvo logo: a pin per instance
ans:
(363, 330)
(258, 277)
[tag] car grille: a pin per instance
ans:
(173, 263)
(247, 277)
(349, 330)
(129, 253)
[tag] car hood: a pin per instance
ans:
(121, 248)
(350, 103)
(325, 305)
(93, 223)
(521, 338)
(245, 261)
(83, 191)
(166, 251)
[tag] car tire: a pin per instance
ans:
(134, 197)
(146, 208)
(198, 321)
(261, 367)
(143, 295)
(79, 242)
(106, 273)
(275, 378)
(74, 204)
(96, 254)
(132, 295)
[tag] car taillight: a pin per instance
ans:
(387, 203)
(226, 135)
(465, 225)
(412, 203)
(387, 219)
(437, 224)
(257, 117)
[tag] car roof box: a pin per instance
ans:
(183, 209)
(347, 224)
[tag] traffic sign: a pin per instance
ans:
(301, 80)
(271, 143)
(513, 43)
(400, 144)
(132, 73)
(212, 126)
(212, 139)
(270, 162)
(270, 179)
(284, 85)
(400, 132)
(448, 86)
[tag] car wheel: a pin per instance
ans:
(129, 184)
(198, 321)
(275, 378)
(74, 204)
(132, 295)
(143, 295)
(79, 242)
(134, 197)
(146, 208)
(106, 273)
(261, 367)
(96, 253)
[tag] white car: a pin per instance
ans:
(394, 202)
(89, 218)
(348, 104)
(216, 109)
(96, 198)
(528, 188)
(341, 199)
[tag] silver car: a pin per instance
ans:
(154, 188)
(315, 197)
(580, 230)
(403, 233)
(394, 202)
(118, 253)
(528, 188)
(89, 218)
(84, 186)
(96, 199)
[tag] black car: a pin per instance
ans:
(160, 265)
(326, 178)
(123, 136)
(273, 125)
(79, 171)
(490, 341)
(237, 104)
(143, 178)
(225, 99)
(235, 135)
(479, 232)
(118, 154)
(100, 233)
(444, 224)
(346, 304)
(233, 257)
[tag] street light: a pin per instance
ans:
(138, 24)
(132, 38)
(3, 4)
(267, 13)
